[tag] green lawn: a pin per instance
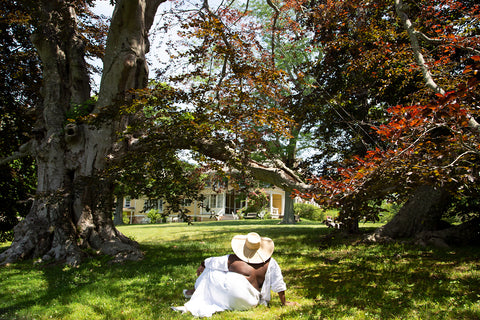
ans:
(334, 279)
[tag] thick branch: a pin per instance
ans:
(276, 173)
(124, 65)
(24, 151)
(407, 24)
(427, 76)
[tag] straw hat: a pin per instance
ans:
(252, 248)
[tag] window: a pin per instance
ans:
(156, 204)
(127, 203)
(220, 201)
(213, 201)
(206, 202)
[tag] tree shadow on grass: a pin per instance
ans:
(155, 283)
(388, 282)
(335, 278)
(150, 285)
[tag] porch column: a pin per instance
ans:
(271, 202)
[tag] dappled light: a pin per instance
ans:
(334, 277)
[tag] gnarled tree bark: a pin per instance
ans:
(420, 220)
(422, 212)
(72, 210)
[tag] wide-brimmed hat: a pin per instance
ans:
(252, 248)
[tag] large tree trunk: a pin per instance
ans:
(420, 219)
(422, 212)
(72, 210)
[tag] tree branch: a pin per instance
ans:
(407, 24)
(427, 76)
(459, 157)
(274, 25)
(24, 151)
(426, 38)
(276, 173)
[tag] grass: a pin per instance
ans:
(330, 279)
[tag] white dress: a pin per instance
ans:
(218, 289)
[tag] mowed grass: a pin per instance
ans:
(338, 278)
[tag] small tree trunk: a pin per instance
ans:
(289, 214)
(350, 225)
(118, 216)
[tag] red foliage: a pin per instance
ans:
(432, 143)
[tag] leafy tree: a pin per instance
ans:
(80, 141)
(254, 57)
(428, 150)
(231, 92)
(360, 74)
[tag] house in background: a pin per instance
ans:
(223, 202)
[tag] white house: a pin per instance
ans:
(223, 203)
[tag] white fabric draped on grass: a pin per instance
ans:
(218, 289)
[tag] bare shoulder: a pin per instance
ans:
(237, 265)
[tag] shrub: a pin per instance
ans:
(257, 200)
(125, 217)
(154, 215)
(6, 236)
(309, 211)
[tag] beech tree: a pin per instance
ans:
(427, 152)
(78, 139)
(72, 208)
(259, 56)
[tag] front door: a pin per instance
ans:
(233, 203)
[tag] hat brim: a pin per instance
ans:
(252, 256)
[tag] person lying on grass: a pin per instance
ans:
(237, 281)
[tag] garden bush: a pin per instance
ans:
(154, 215)
(309, 211)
